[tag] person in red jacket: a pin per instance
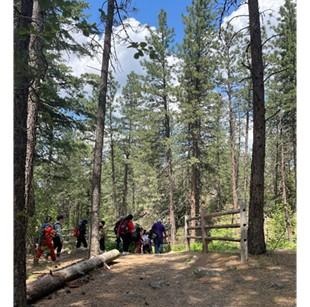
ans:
(46, 240)
(125, 231)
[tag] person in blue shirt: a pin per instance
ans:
(158, 232)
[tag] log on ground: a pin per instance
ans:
(56, 280)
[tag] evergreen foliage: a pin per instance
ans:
(168, 130)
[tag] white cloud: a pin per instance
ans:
(137, 32)
(269, 12)
(125, 61)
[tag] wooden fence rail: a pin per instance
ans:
(206, 225)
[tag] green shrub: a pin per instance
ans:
(275, 229)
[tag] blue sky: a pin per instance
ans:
(148, 10)
(147, 13)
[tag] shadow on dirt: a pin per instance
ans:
(185, 279)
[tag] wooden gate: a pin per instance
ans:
(205, 221)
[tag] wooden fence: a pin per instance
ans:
(206, 225)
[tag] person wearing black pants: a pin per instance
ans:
(125, 231)
(127, 238)
(82, 232)
(57, 240)
(57, 245)
(102, 236)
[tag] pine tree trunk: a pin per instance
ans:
(97, 164)
(171, 205)
(113, 178)
(232, 139)
(115, 205)
(170, 170)
(37, 65)
(57, 279)
(283, 188)
(133, 193)
(124, 207)
(218, 163)
(246, 149)
(195, 176)
(22, 20)
(276, 171)
(256, 238)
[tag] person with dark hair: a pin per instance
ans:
(158, 232)
(118, 238)
(125, 231)
(137, 238)
(102, 236)
(146, 243)
(58, 239)
(81, 235)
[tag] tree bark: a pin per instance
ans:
(37, 66)
(124, 207)
(256, 238)
(232, 141)
(171, 203)
(56, 280)
(133, 193)
(22, 20)
(97, 164)
(219, 206)
(276, 166)
(169, 164)
(195, 176)
(246, 148)
(117, 213)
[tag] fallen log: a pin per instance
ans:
(57, 279)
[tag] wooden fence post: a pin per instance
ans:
(244, 232)
(203, 230)
(186, 239)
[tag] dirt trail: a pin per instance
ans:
(184, 279)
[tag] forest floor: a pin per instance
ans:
(180, 279)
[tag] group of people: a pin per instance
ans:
(126, 233)
(50, 238)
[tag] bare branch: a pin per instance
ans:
(93, 68)
(246, 78)
(236, 33)
(243, 15)
(273, 115)
(274, 73)
(269, 38)
(121, 20)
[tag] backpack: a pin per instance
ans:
(46, 232)
(76, 231)
(123, 227)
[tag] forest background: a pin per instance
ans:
(7, 145)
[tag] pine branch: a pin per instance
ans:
(273, 115)
(268, 39)
(275, 72)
